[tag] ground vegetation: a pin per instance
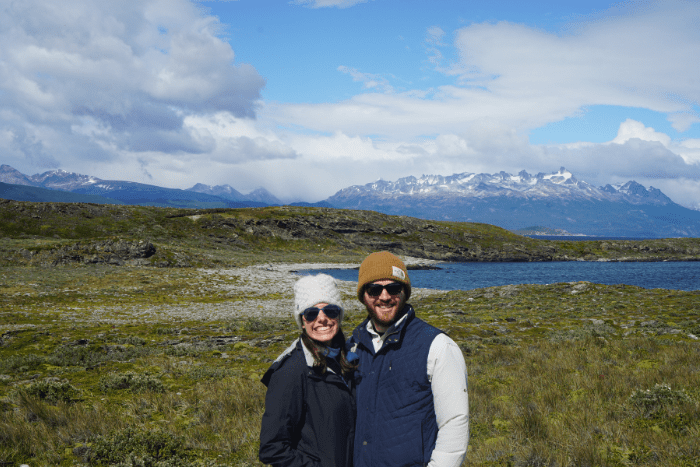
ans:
(153, 357)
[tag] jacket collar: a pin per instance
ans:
(392, 335)
(308, 359)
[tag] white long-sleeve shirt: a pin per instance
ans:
(447, 373)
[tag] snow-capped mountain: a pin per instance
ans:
(263, 196)
(557, 200)
(123, 191)
(260, 195)
(560, 184)
(53, 179)
(62, 180)
(222, 191)
(13, 176)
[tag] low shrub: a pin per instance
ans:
(132, 382)
(21, 363)
(656, 401)
(138, 448)
(52, 391)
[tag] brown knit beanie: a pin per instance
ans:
(380, 266)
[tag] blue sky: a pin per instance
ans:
(388, 37)
(306, 97)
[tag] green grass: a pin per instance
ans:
(559, 375)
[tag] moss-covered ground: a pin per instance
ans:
(569, 374)
(47, 234)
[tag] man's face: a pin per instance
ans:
(385, 308)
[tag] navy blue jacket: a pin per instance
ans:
(309, 417)
(396, 423)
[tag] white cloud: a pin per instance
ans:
(115, 76)
(369, 81)
(689, 150)
(327, 3)
(433, 40)
(236, 141)
(685, 190)
(682, 121)
(637, 153)
(632, 60)
(630, 129)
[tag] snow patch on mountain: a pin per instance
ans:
(561, 184)
(62, 180)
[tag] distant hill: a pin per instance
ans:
(45, 234)
(36, 194)
(151, 195)
(260, 195)
(222, 191)
(319, 204)
(542, 231)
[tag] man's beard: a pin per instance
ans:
(385, 323)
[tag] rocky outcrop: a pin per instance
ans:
(371, 231)
(115, 252)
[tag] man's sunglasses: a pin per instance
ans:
(375, 290)
(331, 311)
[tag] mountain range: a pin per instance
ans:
(557, 200)
(124, 192)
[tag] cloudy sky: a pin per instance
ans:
(306, 97)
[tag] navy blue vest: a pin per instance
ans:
(396, 423)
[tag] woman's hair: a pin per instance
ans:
(318, 349)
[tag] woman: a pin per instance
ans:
(309, 417)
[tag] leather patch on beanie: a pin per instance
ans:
(398, 273)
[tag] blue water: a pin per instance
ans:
(572, 238)
(679, 275)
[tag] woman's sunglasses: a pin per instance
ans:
(331, 311)
(375, 290)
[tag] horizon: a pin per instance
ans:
(306, 97)
(561, 170)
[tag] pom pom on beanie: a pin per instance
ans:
(379, 266)
(312, 290)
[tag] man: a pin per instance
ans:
(412, 403)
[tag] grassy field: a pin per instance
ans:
(156, 361)
(107, 365)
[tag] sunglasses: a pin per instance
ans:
(331, 311)
(375, 290)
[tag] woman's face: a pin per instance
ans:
(322, 329)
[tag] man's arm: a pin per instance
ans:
(448, 380)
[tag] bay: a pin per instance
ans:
(585, 238)
(678, 275)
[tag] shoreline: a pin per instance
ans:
(252, 292)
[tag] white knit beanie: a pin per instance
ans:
(312, 290)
